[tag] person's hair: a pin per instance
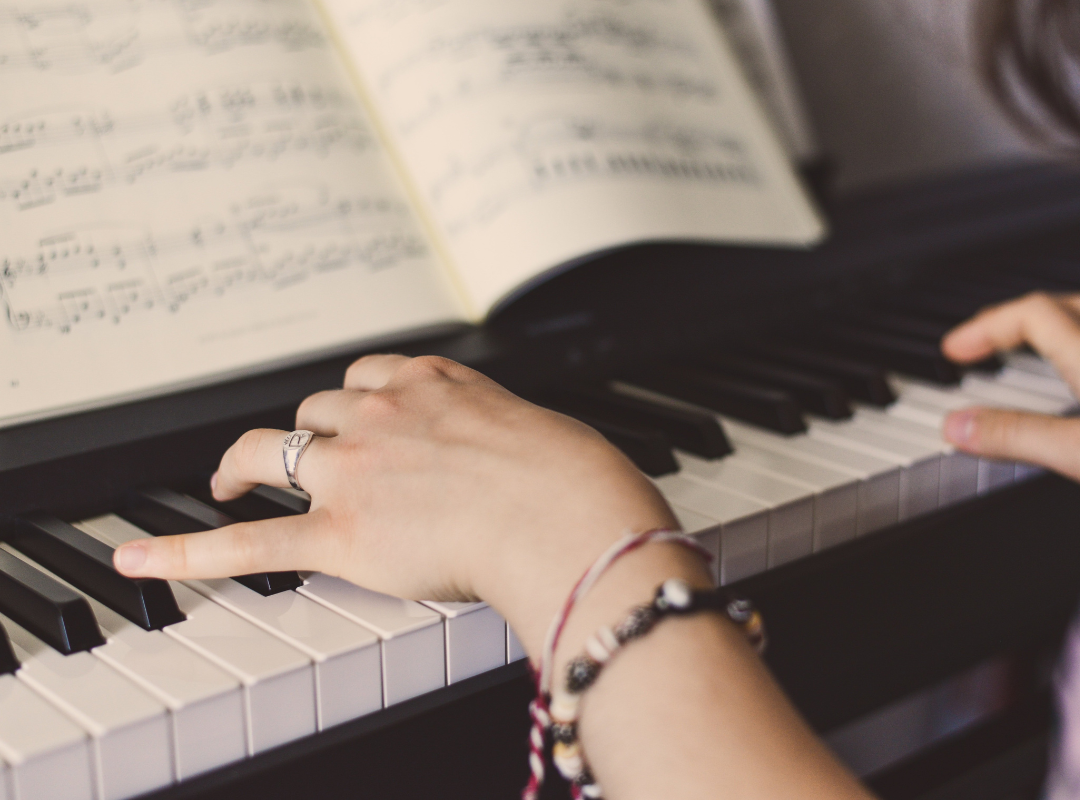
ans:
(1029, 56)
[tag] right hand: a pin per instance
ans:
(1050, 324)
(427, 481)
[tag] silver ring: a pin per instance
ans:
(295, 445)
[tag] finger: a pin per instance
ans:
(373, 372)
(241, 549)
(1052, 442)
(326, 413)
(257, 458)
(1071, 302)
(1038, 319)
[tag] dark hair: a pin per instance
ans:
(1029, 56)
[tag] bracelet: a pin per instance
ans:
(542, 708)
(673, 598)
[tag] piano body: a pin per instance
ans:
(884, 562)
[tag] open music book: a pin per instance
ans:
(191, 189)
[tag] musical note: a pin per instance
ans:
(498, 109)
(276, 238)
(55, 155)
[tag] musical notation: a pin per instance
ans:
(51, 156)
(269, 241)
(117, 35)
(557, 150)
(587, 47)
(496, 109)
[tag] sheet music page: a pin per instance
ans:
(189, 188)
(537, 131)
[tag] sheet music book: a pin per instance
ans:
(192, 189)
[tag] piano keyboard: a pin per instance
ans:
(110, 688)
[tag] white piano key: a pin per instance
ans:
(514, 649)
(990, 391)
(744, 523)
(920, 479)
(1025, 472)
(48, 755)
(206, 703)
(348, 666)
(836, 494)
(930, 405)
(411, 634)
(1039, 384)
(791, 505)
(705, 530)
(959, 471)
(879, 479)
(1028, 362)
(131, 741)
(278, 679)
(474, 638)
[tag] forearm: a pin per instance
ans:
(689, 710)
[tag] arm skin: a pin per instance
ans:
(430, 481)
(1050, 324)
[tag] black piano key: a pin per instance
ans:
(163, 512)
(930, 330)
(863, 380)
(262, 502)
(770, 408)
(916, 328)
(87, 564)
(817, 395)
(57, 615)
(1057, 271)
(952, 310)
(650, 450)
(697, 432)
(8, 662)
(913, 357)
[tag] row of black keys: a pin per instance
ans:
(817, 369)
(63, 619)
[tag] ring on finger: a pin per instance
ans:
(296, 443)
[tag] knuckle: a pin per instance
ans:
(383, 403)
(176, 548)
(247, 448)
(427, 367)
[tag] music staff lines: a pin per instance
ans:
(551, 151)
(110, 272)
(82, 37)
(60, 154)
(592, 49)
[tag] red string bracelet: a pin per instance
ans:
(539, 710)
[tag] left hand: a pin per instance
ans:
(1051, 325)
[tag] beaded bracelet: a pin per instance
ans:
(673, 598)
(557, 712)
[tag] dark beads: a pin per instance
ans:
(580, 674)
(565, 732)
(637, 624)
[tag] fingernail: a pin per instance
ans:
(960, 427)
(130, 557)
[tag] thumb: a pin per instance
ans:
(1051, 442)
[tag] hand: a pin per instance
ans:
(1051, 325)
(427, 481)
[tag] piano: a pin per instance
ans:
(785, 403)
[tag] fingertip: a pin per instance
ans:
(961, 427)
(130, 559)
(966, 343)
